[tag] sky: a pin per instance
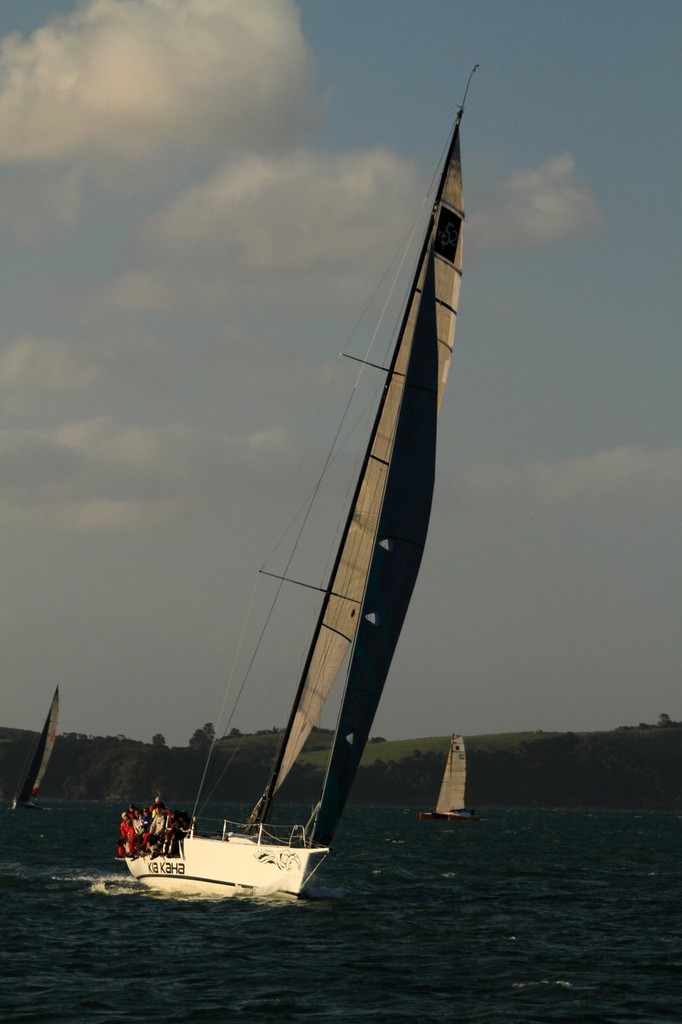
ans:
(199, 200)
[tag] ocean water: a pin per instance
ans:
(527, 917)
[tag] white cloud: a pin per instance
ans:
(28, 365)
(85, 472)
(634, 477)
(44, 455)
(302, 226)
(292, 213)
(123, 79)
(534, 207)
(265, 440)
(103, 516)
(92, 476)
(131, 447)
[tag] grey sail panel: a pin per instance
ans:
(445, 234)
(41, 755)
(339, 618)
(451, 796)
(401, 535)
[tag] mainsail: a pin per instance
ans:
(395, 562)
(380, 552)
(366, 599)
(451, 796)
(30, 783)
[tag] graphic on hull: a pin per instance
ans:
(284, 860)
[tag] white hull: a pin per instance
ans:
(230, 867)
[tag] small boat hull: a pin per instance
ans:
(230, 867)
(450, 816)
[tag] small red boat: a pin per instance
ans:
(450, 815)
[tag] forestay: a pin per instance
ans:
(429, 321)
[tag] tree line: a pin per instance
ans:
(627, 768)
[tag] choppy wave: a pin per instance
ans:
(530, 918)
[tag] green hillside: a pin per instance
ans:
(630, 767)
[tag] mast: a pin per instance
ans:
(399, 545)
(419, 371)
(339, 615)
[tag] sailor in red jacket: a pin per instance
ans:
(126, 842)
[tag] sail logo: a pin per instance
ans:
(166, 867)
(447, 234)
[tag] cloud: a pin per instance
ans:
(123, 79)
(106, 516)
(297, 211)
(300, 226)
(133, 96)
(132, 447)
(29, 365)
(619, 478)
(92, 476)
(86, 476)
(535, 207)
(72, 446)
(265, 440)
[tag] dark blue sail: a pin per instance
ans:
(400, 539)
(30, 783)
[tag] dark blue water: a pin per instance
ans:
(529, 917)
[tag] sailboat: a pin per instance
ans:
(367, 595)
(27, 792)
(450, 803)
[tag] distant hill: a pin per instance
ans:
(627, 768)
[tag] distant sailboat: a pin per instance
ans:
(367, 596)
(27, 793)
(450, 804)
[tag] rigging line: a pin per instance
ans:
(394, 284)
(308, 509)
(244, 738)
(331, 455)
(402, 248)
(222, 707)
(432, 185)
(289, 561)
(334, 447)
(246, 678)
(277, 540)
(403, 251)
(309, 586)
(253, 659)
(406, 246)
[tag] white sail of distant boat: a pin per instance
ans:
(27, 791)
(451, 803)
(367, 596)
